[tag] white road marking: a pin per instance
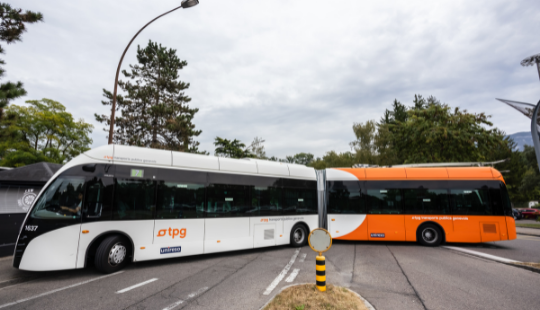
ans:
(136, 286)
(58, 290)
(176, 304)
(302, 258)
(484, 255)
(282, 274)
(197, 293)
(292, 276)
(190, 296)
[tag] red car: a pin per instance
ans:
(529, 213)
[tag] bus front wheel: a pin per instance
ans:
(429, 235)
(298, 236)
(112, 254)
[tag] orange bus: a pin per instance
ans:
(428, 205)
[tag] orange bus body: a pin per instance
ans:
(403, 227)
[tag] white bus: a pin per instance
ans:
(116, 204)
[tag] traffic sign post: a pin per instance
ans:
(320, 241)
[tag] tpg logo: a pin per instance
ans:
(172, 232)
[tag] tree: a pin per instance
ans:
(154, 110)
(44, 131)
(231, 149)
(436, 134)
(333, 160)
(364, 145)
(257, 148)
(12, 26)
(300, 158)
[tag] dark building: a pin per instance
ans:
(18, 189)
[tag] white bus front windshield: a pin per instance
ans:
(61, 200)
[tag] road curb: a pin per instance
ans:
(368, 305)
(495, 260)
(529, 235)
(524, 267)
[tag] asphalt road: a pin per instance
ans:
(389, 275)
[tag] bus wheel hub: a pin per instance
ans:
(117, 254)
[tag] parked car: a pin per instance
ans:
(529, 213)
(517, 214)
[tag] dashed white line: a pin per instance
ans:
(197, 293)
(58, 290)
(190, 296)
(302, 257)
(174, 305)
(292, 276)
(484, 255)
(282, 274)
(136, 286)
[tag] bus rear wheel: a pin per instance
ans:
(112, 254)
(429, 235)
(298, 236)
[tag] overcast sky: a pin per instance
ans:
(297, 73)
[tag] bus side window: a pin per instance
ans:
(133, 199)
(98, 199)
(426, 201)
(265, 201)
(180, 200)
(345, 197)
(299, 201)
(384, 201)
(225, 200)
(470, 202)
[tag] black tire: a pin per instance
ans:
(429, 235)
(112, 254)
(299, 236)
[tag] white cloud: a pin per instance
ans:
(297, 73)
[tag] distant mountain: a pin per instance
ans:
(522, 138)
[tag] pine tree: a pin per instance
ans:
(154, 111)
(12, 26)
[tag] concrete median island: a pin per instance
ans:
(307, 296)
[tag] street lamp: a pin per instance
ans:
(184, 4)
(531, 61)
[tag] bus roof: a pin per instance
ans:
(140, 156)
(380, 174)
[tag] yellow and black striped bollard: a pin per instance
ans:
(321, 273)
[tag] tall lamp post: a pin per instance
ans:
(530, 61)
(184, 4)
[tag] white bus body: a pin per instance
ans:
(55, 238)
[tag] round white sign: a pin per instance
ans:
(320, 240)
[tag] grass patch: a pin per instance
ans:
(528, 225)
(535, 265)
(308, 297)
